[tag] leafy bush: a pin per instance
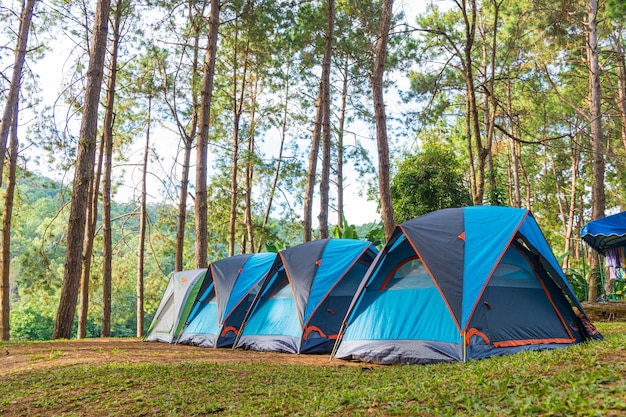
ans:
(29, 323)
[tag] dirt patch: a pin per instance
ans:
(43, 355)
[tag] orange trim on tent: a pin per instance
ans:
(462, 236)
(475, 332)
(310, 329)
(229, 329)
(393, 271)
(445, 300)
(278, 287)
(513, 343)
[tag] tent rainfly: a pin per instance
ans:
(305, 297)
(460, 284)
(224, 298)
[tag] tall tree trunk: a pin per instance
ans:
(597, 138)
(571, 211)
(5, 253)
(307, 233)
(250, 168)
(234, 183)
(143, 220)
(514, 150)
(621, 82)
(340, 134)
(83, 175)
(92, 220)
(16, 79)
(469, 17)
(109, 120)
(188, 138)
(315, 141)
(326, 136)
(491, 106)
(201, 244)
(182, 205)
(384, 176)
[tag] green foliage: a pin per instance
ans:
(427, 181)
(28, 323)
(373, 232)
(578, 282)
(616, 9)
(274, 247)
(345, 231)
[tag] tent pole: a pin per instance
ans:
(336, 344)
(464, 347)
(601, 267)
(585, 269)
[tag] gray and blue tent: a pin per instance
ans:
(224, 298)
(460, 284)
(305, 297)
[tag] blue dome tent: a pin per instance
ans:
(224, 299)
(305, 297)
(460, 284)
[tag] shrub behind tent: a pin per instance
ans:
(460, 284)
(304, 299)
(224, 299)
(175, 305)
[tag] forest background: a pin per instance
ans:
(501, 102)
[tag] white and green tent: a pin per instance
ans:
(175, 306)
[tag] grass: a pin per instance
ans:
(583, 380)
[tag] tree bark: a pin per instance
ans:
(516, 195)
(83, 175)
(473, 122)
(384, 176)
(188, 137)
(143, 220)
(571, 211)
(109, 120)
(307, 233)
(326, 136)
(201, 244)
(5, 253)
(250, 168)
(340, 135)
(92, 220)
(491, 105)
(621, 81)
(597, 138)
(237, 111)
(16, 78)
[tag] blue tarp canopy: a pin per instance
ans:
(607, 232)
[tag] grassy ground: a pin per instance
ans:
(142, 379)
